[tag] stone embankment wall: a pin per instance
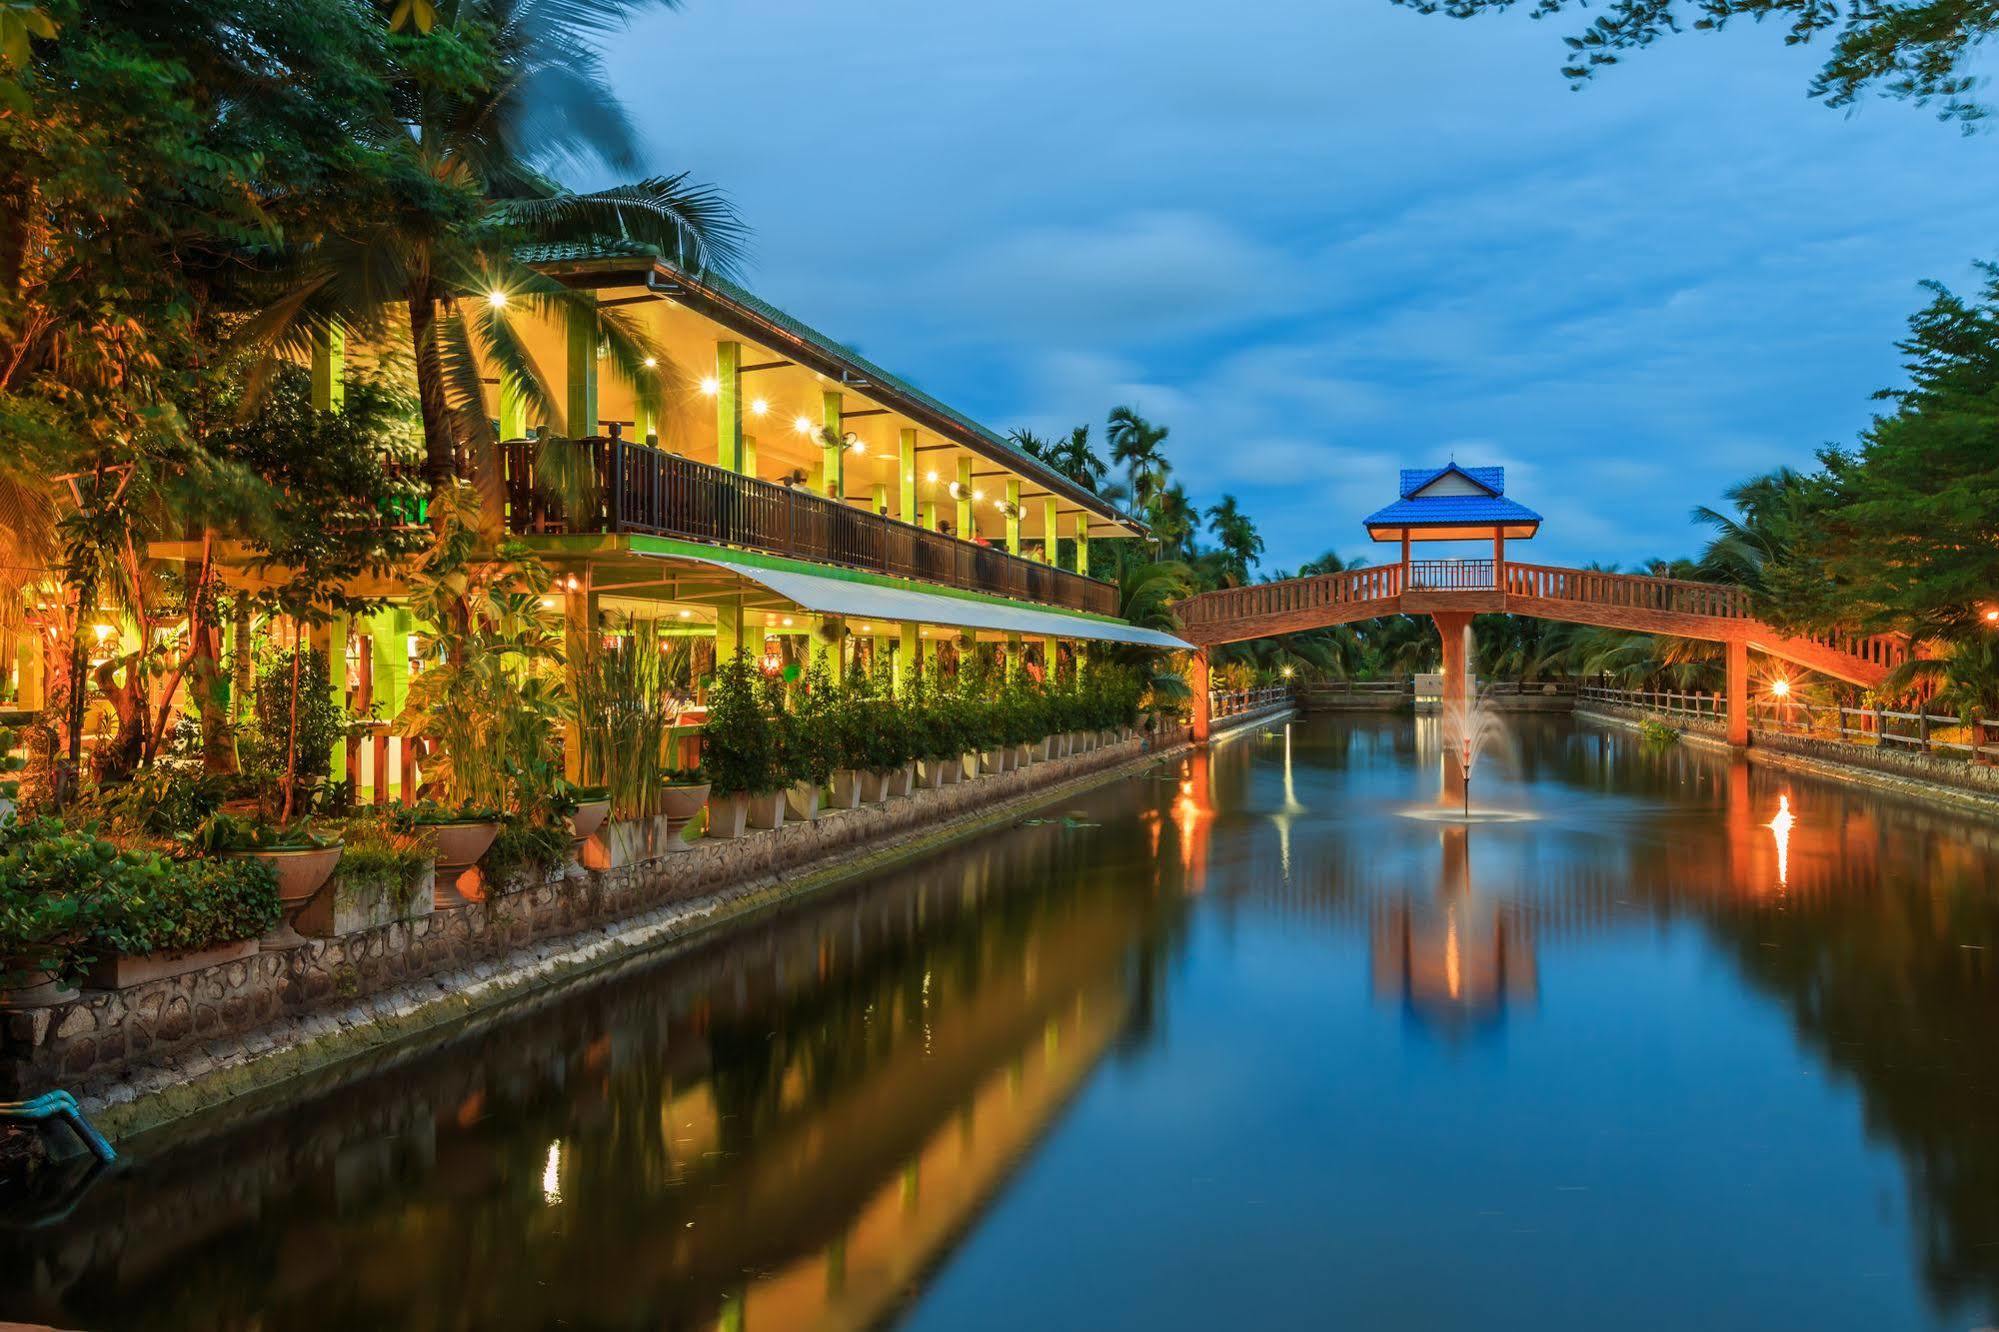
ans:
(153, 1052)
(1923, 776)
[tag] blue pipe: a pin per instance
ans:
(62, 1106)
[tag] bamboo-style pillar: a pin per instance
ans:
(1738, 693)
(1198, 683)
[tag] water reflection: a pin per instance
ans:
(1238, 1043)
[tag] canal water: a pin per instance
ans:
(1240, 1042)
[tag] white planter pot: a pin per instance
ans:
(1022, 755)
(1040, 751)
(728, 815)
(802, 801)
(877, 786)
(622, 842)
(903, 779)
(930, 774)
(765, 810)
(992, 760)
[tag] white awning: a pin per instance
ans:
(872, 601)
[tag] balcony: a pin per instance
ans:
(647, 491)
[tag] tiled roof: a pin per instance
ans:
(1415, 478)
(1452, 510)
(610, 248)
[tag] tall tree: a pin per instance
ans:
(1918, 50)
(1137, 445)
(1236, 535)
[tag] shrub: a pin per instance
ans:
(739, 745)
(1654, 732)
(194, 904)
(526, 843)
(382, 862)
(813, 739)
(320, 724)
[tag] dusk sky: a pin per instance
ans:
(1324, 241)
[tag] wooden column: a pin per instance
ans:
(1738, 694)
(1405, 559)
(1455, 720)
(1499, 558)
(1198, 683)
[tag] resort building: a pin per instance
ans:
(785, 496)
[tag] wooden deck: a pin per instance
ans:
(1712, 612)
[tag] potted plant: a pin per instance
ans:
(300, 860)
(174, 917)
(739, 752)
(582, 808)
(457, 836)
(53, 881)
(812, 740)
(626, 685)
(386, 873)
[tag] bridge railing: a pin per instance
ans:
(1451, 576)
(1675, 596)
(1294, 594)
(1880, 728)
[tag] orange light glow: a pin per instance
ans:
(1780, 829)
(1780, 688)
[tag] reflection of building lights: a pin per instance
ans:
(1780, 829)
(551, 1175)
(1454, 974)
(1186, 788)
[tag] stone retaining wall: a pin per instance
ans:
(163, 1037)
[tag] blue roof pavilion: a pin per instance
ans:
(1453, 503)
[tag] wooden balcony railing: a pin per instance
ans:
(642, 489)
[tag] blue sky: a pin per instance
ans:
(1321, 241)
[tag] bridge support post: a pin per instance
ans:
(1738, 694)
(1455, 720)
(1198, 682)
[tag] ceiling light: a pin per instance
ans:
(710, 387)
(802, 424)
(758, 407)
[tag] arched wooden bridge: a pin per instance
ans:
(1452, 591)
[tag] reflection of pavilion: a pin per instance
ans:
(1457, 959)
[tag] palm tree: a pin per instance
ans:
(1174, 520)
(1746, 546)
(1136, 446)
(1146, 593)
(468, 165)
(1236, 533)
(1075, 459)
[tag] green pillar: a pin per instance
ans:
(729, 406)
(880, 500)
(1049, 519)
(728, 631)
(1013, 515)
(329, 369)
(1082, 542)
(930, 515)
(513, 409)
(749, 455)
(905, 466)
(832, 455)
(336, 685)
(580, 404)
(1012, 656)
(967, 529)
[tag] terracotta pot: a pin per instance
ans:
(802, 801)
(301, 872)
(122, 973)
(589, 817)
(458, 847)
(765, 811)
(682, 801)
(847, 786)
(727, 815)
(32, 989)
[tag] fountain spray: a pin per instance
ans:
(1464, 764)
